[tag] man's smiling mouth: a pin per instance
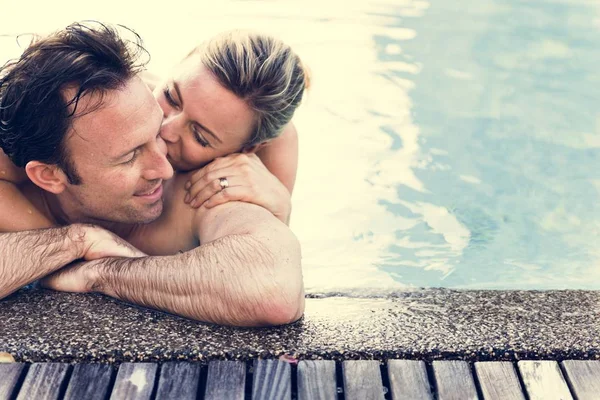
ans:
(152, 191)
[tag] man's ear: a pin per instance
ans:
(47, 176)
(255, 148)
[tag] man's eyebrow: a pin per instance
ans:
(176, 86)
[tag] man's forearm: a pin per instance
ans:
(234, 280)
(29, 255)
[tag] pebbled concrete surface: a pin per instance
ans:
(40, 325)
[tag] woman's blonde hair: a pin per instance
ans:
(261, 70)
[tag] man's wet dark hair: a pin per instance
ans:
(35, 115)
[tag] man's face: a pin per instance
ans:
(119, 156)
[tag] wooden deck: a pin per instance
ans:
(272, 379)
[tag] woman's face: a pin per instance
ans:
(202, 119)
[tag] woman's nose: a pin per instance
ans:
(169, 129)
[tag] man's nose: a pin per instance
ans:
(158, 165)
(170, 128)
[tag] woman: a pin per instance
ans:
(230, 100)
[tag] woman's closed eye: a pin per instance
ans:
(170, 99)
(199, 138)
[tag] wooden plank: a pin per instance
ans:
(225, 380)
(43, 381)
(499, 381)
(543, 380)
(90, 382)
(135, 381)
(453, 380)
(272, 380)
(408, 380)
(316, 380)
(362, 380)
(584, 378)
(179, 380)
(9, 378)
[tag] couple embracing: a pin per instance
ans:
(174, 195)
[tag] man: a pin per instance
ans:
(75, 114)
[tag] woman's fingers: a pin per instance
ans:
(208, 179)
(239, 174)
(200, 174)
(201, 192)
(208, 191)
(207, 173)
(236, 193)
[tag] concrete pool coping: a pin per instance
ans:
(41, 326)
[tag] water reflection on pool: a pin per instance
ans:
(441, 145)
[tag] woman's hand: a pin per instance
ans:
(248, 180)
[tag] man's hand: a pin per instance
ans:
(30, 255)
(82, 276)
(248, 181)
(100, 243)
(77, 277)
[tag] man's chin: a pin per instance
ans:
(156, 213)
(149, 214)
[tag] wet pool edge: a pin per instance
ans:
(429, 324)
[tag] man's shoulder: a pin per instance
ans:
(174, 192)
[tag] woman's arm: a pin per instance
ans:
(10, 172)
(18, 213)
(280, 156)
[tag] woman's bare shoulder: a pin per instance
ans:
(10, 172)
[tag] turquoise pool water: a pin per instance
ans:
(443, 144)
